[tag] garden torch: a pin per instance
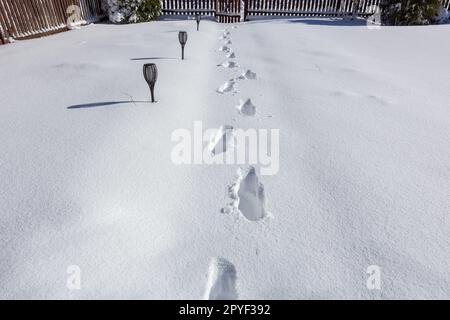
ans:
(150, 75)
(182, 37)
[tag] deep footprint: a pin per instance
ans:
(221, 280)
(228, 64)
(252, 197)
(246, 107)
(248, 74)
(228, 86)
(225, 49)
(248, 196)
(222, 140)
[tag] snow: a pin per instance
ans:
(86, 177)
(228, 64)
(247, 196)
(248, 74)
(221, 280)
(221, 140)
(443, 15)
(231, 55)
(228, 86)
(225, 49)
(246, 107)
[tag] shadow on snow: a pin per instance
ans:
(103, 104)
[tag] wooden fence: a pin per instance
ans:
(188, 7)
(231, 11)
(310, 7)
(221, 10)
(22, 19)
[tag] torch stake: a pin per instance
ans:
(152, 91)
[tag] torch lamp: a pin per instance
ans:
(182, 37)
(150, 75)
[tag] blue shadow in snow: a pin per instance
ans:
(103, 104)
(153, 58)
(330, 22)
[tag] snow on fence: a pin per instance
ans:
(25, 19)
(228, 11)
(31, 18)
(310, 8)
(221, 10)
(234, 10)
(188, 7)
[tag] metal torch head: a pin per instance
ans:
(150, 73)
(182, 37)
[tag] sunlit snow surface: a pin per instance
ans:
(86, 176)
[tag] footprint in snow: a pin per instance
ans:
(251, 197)
(226, 36)
(222, 140)
(225, 49)
(246, 107)
(231, 55)
(228, 64)
(221, 283)
(248, 74)
(248, 196)
(228, 86)
(228, 42)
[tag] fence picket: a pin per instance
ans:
(30, 18)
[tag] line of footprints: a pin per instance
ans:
(246, 194)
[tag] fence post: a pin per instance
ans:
(2, 37)
(338, 8)
(61, 15)
(245, 9)
(355, 9)
(216, 9)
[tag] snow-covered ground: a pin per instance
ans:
(87, 180)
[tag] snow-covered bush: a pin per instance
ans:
(132, 11)
(5, 36)
(148, 10)
(409, 12)
(443, 16)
